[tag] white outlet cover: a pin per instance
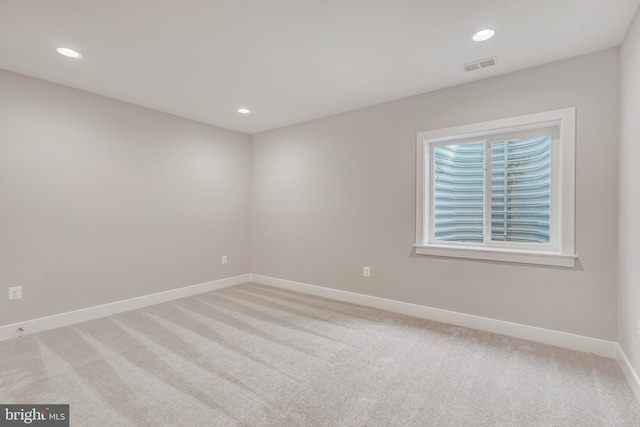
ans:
(15, 292)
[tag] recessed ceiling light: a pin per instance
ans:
(483, 35)
(68, 52)
(243, 111)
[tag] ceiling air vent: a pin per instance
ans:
(480, 63)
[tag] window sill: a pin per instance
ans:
(499, 254)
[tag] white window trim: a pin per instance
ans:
(562, 252)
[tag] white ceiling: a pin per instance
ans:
(290, 60)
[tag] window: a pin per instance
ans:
(502, 190)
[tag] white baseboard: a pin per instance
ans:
(531, 333)
(629, 372)
(90, 313)
(546, 336)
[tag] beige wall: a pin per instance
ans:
(629, 286)
(333, 195)
(102, 201)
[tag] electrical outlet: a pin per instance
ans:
(638, 328)
(224, 259)
(366, 272)
(15, 292)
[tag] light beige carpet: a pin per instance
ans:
(259, 356)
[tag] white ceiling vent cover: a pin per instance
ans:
(480, 63)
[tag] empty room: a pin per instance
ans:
(320, 213)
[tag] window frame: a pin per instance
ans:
(561, 248)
